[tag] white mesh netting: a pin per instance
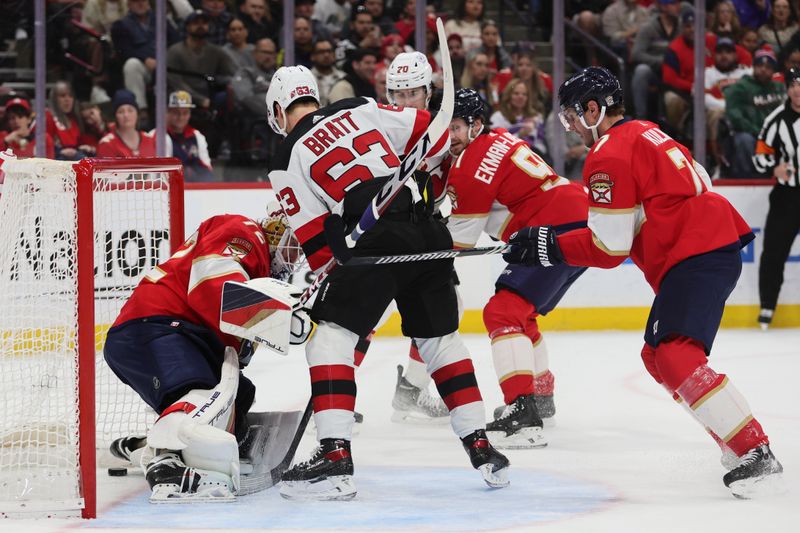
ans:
(38, 319)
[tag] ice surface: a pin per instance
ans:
(622, 457)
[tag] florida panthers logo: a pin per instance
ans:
(451, 193)
(601, 186)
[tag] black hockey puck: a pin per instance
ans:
(118, 472)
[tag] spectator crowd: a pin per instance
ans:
(222, 55)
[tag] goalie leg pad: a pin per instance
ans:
(198, 425)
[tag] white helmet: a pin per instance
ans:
(409, 70)
(289, 84)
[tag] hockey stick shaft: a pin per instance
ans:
(437, 128)
(427, 256)
(277, 473)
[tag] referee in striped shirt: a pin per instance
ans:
(778, 150)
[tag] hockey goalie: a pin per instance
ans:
(167, 345)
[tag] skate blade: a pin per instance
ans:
(495, 480)
(524, 439)
(409, 417)
(759, 487)
(171, 494)
(333, 488)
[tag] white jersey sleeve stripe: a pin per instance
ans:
(614, 229)
(213, 266)
(466, 229)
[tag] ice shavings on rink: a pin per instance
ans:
(440, 499)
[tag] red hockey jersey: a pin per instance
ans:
(189, 284)
(112, 146)
(334, 149)
(648, 199)
(499, 185)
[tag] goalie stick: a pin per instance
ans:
(261, 478)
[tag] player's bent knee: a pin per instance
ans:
(649, 360)
(331, 345)
(677, 358)
(441, 351)
(506, 311)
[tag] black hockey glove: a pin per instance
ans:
(534, 246)
(334, 231)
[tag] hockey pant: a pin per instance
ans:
(519, 352)
(416, 369)
(680, 364)
(333, 387)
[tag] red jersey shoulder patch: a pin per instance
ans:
(238, 248)
(601, 185)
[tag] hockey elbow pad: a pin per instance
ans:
(534, 246)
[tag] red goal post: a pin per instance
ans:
(76, 239)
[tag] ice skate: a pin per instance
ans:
(414, 405)
(518, 427)
(173, 482)
(327, 475)
(126, 447)
(757, 474)
(544, 405)
(765, 318)
(492, 464)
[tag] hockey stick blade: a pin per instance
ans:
(263, 479)
(438, 127)
(427, 256)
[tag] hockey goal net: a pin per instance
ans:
(75, 239)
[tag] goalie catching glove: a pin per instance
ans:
(534, 246)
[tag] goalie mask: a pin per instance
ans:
(287, 255)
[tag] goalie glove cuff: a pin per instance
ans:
(302, 327)
(534, 246)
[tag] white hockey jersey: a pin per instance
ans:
(334, 149)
